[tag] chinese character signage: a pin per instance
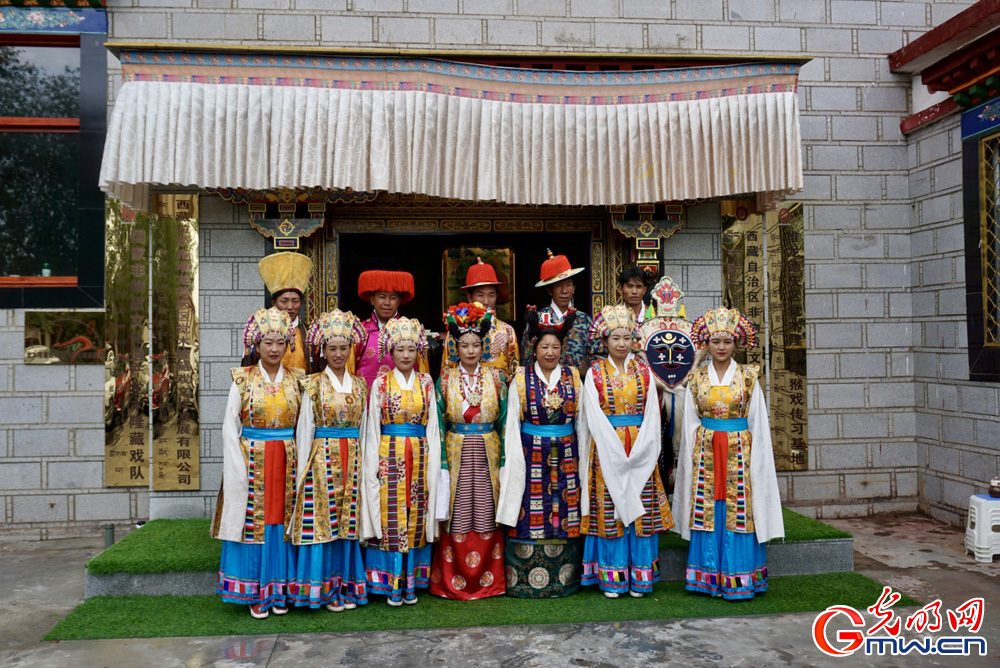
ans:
(786, 336)
(126, 343)
(763, 277)
(175, 343)
(743, 271)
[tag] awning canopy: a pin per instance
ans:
(454, 130)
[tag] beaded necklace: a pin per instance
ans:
(471, 393)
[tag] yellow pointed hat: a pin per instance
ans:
(286, 271)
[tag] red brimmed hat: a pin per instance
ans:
(400, 282)
(480, 274)
(555, 269)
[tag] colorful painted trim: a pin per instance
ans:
(502, 84)
(61, 20)
(980, 119)
(52, 3)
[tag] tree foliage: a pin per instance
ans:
(39, 172)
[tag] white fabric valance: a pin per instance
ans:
(580, 142)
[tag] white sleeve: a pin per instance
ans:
(646, 449)
(615, 464)
(512, 474)
(235, 479)
(305, 429)
(433, 457)
(765, 497)
(583, 444)
(371, 438)
(681, 506)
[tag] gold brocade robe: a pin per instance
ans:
(623, 394)
(264, 406)
(327, 500)
(402, 477)
(724, 402)
(295, 356)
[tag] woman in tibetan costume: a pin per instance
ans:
(258, 472)
(325, 520)
(401, 463)
(726, 494)
(540, 487)
(472, 403)
(624, 505)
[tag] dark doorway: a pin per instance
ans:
(421, 254)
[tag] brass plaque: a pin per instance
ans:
(126, 284)
(174, 407)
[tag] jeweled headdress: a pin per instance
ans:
(611, 318)
(668, 297)
(398, 330)
(266, 321)
(335, 325)
(468, 318)
(724, 323)
(539, 323)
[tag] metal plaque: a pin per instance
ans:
(174, 363)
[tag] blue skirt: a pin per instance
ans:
(726, 563)
(629, 562)
(252, 573)
(330, 573)
(398, 574)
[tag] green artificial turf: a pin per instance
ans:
(798, 528)
(161, 546)
(165, 616)
(171, 546)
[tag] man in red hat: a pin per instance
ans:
(481, 285)
(385, 290)
(557, 278)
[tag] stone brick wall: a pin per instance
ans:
(957, 422)
(52, 447)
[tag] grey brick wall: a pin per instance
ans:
(52, 448)
(957, 423)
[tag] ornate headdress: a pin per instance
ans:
(540, 323)
(668, 297)
(468, 318)
(479, 275)
(285, 271)
(266, 321)
(555, 269)
(335, 325)
(724, 323)
(611, 318)
(398, 330)
(376, 280)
